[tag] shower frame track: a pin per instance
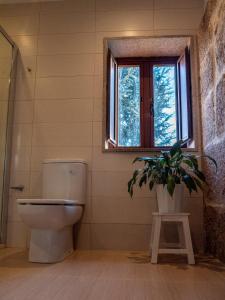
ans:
(8, 145)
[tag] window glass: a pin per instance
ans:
(164, 91)
(129, 106)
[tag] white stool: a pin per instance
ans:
(181, 218)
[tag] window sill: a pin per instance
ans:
(138, 149)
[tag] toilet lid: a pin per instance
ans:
(48, 201)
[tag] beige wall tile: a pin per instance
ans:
(20, 159)
(77, 134)
(79, 43)
(20, 178)
(67, 23)
(27, 44)
(115, 161)
(98, 87)
(39, 154)
(68, 6)
(21, 9)
(87, 211)
(179, 4)
(193, 194)
(23, 112)
(3, 114)
(63, 111)
(177, 18)
(22, 134)
(98, 70)
(124, 20)
(98, 110)
(26, 66)
(97, 134)
(124, 5)
(83, 237)
(20, 25)
(5, 48)
(114, 184)
(4, 89)
(65, 65)
(89, 187)
(123, 210)
(120, 236)
(195, 207)
(24, 88)
(64, 88)
(13, 215)
(35, 184)
(5, 61)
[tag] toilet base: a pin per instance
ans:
(50, 246)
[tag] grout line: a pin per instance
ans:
(92, 144)
(34, 104)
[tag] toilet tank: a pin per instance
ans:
(65, 179)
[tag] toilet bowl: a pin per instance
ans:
(51, 219)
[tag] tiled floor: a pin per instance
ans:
(110, 275)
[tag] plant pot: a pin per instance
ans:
(168, 204)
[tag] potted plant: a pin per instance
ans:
(169, 171)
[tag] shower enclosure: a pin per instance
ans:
(8, 52)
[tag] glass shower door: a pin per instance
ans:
(7, 53)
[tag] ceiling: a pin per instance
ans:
(146, 47)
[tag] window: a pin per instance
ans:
(148, 101)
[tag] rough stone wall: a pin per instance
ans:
(211, 40)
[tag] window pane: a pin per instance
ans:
(164, 86)
(128, 106)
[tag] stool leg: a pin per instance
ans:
(151, 238)
(188, 242)
(156, 238)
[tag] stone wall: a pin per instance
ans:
(211, 39)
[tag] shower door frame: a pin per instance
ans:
(8, 146)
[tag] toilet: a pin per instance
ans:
(51, 218)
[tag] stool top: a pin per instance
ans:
(170, 214)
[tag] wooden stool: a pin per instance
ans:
(181, 218)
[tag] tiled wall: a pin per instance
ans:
(58, 108)
(212, 73)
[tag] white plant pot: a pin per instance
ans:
(168, 204)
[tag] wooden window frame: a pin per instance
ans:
(146, 102)
(189, 134)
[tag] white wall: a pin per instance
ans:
(58, 108)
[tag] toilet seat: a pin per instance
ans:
(65, 202)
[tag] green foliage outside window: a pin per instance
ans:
(164, 105)
(129, 106)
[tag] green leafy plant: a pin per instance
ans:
(170, 168)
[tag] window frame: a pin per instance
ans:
(146, 70)
(186, 56)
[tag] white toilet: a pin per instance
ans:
(52, 217)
